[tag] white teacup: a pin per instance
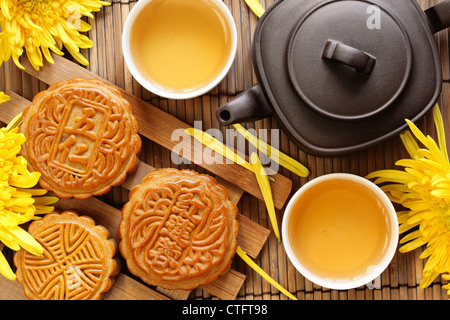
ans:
(177, 54)
(340, 231)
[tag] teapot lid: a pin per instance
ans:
(348, 60)
(343, 75)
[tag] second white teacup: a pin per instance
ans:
(340, 231)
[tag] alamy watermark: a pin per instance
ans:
(190, 150)
(74, 19)
(374, 20)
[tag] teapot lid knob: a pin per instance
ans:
(344, 67)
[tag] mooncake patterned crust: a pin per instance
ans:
(178, 230)
(82, 138)
(78, 262)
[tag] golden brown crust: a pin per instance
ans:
(178, 230)
(82, 138)
(78, 261)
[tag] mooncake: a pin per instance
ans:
(178, 229)
(81, 136)
(78, 261)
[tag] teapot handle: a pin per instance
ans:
(439, 16)
(361, 61)
(248, 106)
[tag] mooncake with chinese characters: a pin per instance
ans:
(178, 229)
(78, 261)
(81, 136)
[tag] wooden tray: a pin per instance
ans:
(251, 237)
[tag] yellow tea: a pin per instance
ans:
(180, 45)
(338, 229)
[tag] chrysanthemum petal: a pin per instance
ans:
(8, 239)
(15, 122)
(5, 269)
(3, 97)
(426, 253)
(410, 144)
(44, 209)
(402, 216)
(25, 181)
(47, 55)
(38, 27)
(407, 226)
(410, 246)
(45, 201)
(76, 54)
(84, 26)
(441, 193)
(5, 9)
(417, 133)
(411, 236)
(437, 116)
(428, 279)
(263, 182)
(389, 176)
(276, 155)
(34, 192)
(26, 241)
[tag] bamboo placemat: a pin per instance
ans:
(400, 281)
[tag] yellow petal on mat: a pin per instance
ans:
(212, 143)
(26, 241)
(5, 269)
(437, 116)
(241, 253)
(274, 154)
(45, 201)
(3, 97)
(15, 122)
(256, 7)
(264, 185)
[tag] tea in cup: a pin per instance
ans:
(340, 231)
(179, 49)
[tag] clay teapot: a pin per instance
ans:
(341, 76)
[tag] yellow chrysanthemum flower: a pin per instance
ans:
(3, 97)
(423, 188)
(18, 202)
(41, 26)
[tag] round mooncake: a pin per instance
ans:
(78, 261)
(82, 138)
(179, 229)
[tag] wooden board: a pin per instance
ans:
(251, 237)
(158, 126)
